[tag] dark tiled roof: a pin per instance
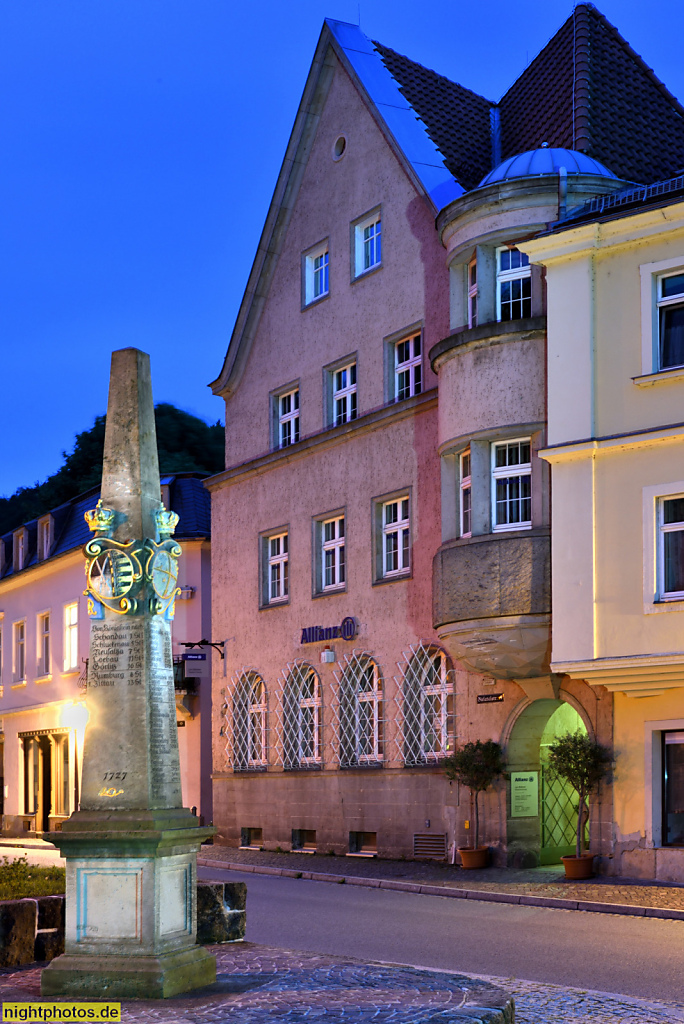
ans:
(457, 120)
(623, 115)
(188, 497)
(624, 203)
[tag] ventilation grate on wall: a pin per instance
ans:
(428, 844)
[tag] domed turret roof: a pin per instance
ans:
(545, 160)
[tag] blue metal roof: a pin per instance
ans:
(545, 160)
(399, 116)
(189, 498)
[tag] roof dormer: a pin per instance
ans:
(20, 549)
(46, 536)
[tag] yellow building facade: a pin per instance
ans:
(615, 281)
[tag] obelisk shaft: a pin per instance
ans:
(130, 470)
(130, 759)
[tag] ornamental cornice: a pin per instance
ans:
(573, 451)
(639, 675)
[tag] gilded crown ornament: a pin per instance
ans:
(165, 521)
(100, 520)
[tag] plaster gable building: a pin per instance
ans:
(44, 642)
(381, 552)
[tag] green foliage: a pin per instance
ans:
(185, 443)
(583, 763)
(19, 879)
(476, 765)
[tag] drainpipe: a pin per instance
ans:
(562, 192)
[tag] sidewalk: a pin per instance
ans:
(544, 887)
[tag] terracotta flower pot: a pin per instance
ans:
(579, 867)
(477, 857)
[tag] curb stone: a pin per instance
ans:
(484, 896)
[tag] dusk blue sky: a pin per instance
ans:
(141, 141)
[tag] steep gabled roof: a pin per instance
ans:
(622, 113)
(457, 119)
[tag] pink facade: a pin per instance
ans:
(350, 471)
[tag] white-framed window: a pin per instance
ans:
(333, 554)
(43, 638)
(249, 722)
(367, 237)
(396, 536)
(44, 538)
(465, 499)
(511, 485)
(60, 784)
(671, 548)
(408, 369)
(287, 413)
(316, 280)
(302, 712)
(344, 400)
(428, 706)
(277, 563)
(361, 725)
(19, 651)
(670, 306)
(71, 637)
(513, 284)
(472, 293)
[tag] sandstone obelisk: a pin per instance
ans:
(131, 848)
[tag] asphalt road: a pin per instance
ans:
(627, 955)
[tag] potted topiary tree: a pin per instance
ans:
(583, 763)
(475, 765)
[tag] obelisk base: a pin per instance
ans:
(129, 977)
(131, 906)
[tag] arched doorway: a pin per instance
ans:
(541, 831)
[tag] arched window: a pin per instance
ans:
(302, 739)
(361, 726)
(428, 706)
(249, 723)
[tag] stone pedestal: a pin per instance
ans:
(131, 848)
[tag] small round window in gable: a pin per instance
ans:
(339, 148)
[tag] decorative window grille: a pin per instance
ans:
(300, 725)
(246, 714)
(407, 368)
(359, 712)
(344, 394)
(426, 688)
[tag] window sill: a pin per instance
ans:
(330, 591)
(513, 528)
(360, 854)
(47, 678)
(647, 380)
(315, 302)
(393, 579)
(71, 672)
(366, 273)
(21, 685)
(274, 604)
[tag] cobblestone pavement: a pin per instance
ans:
(549, 881)
(261, 985)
